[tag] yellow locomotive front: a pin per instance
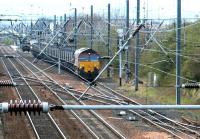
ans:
(87, 63)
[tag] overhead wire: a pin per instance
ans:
(169, 51)
(162, 71)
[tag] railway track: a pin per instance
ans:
(176, 129)
(106, 95)
(103, 94)
(159, 120)
(95, 124)
(43, 125)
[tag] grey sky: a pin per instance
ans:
(156, 8)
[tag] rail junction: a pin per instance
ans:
(46, 96)
(36, 82)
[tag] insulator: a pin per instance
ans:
(190, 85)
(6, 83)
(10, 56)
(27, 106)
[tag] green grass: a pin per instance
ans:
(160, 95)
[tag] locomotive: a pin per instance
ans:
(83, 61)
(87, 62)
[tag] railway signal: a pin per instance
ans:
(120, 45)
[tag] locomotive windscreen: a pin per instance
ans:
(89, 57)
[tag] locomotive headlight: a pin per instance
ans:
(81, 66)
(96, 66)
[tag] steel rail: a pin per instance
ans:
(149, 120)
(49, 115)
(63, 102)
(154, 112)
(52, 120)
(86, 89)
(29, 118)
(161, 123)
(84, 97)
(135, 113)
(172, 121)
(124, 102)
(94, 113)
(141, 115)
(91, 112)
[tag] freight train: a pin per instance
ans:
(83, 61)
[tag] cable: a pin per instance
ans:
(144, 65)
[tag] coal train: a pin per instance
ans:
(84, 61)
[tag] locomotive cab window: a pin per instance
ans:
(89, 57)
(94, 58)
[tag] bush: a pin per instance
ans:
(8, 41)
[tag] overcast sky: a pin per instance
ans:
(156, 8)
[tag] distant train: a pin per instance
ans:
(83, 61)
(25, 45)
